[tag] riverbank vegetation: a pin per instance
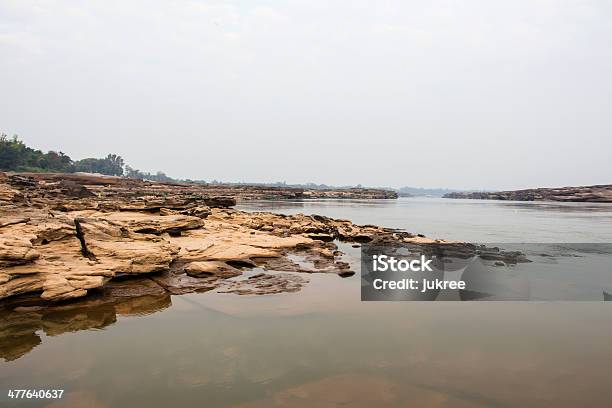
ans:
(16, 156)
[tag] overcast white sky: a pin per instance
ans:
(461, 94)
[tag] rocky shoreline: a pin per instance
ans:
(587, 194)
(63, 237)
(75, 253)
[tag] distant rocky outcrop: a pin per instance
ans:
(122, 186)
(591, 194)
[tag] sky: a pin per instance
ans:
(457, 94)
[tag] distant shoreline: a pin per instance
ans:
(581, 194)
(238, 191)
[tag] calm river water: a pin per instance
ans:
(323, 347)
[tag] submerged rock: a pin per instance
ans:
(265, 284)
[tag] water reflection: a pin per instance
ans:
(384, 354)
(587, 209)
(22, 319)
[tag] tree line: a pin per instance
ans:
(16, 156)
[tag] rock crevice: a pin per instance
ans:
(81, 237)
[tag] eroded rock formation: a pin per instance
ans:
(62, 238)
(591, 194)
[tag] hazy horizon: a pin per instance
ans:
(473, 95)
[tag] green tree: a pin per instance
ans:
(111, 165)
(16, 156)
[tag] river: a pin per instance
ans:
(323, 347)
